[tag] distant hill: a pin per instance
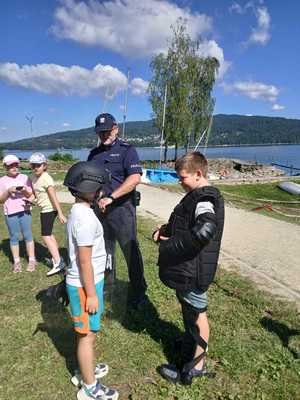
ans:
(226, 130)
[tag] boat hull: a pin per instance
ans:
(290, 187)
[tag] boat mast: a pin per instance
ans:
(125, 105)
(163, 127)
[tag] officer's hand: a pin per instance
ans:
(104, 202)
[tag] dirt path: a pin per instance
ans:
(264, 249)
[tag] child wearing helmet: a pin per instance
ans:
(16, 196)
(44, 190)
(85, 275)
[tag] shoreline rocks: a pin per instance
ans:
(230, 169)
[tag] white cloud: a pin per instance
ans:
(249, 115)
(254, 90)
(277, 107)
(210, 48)
(139, 87)
(3, 128)
(66, 124)
(69, 81)
(261, 32)
(133, 28)
(130, 27)
(235, 7)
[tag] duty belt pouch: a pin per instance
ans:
(136, 198)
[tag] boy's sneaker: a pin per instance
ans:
(31, 266)
(100, 371)
(57, 268)
(17, 267)
(98, 392)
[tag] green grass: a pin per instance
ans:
(250, 196)
(254, 345)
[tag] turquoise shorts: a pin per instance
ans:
(195, 298)
(83, 321)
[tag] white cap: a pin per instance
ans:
(10, 159)
(37, 158)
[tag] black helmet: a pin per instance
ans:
(86, 177)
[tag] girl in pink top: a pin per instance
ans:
(16, 196)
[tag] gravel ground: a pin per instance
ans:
(262, 248)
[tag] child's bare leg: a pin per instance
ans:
(203, 327)
(30, 249)
(85, 356)
(15, 251)
(52, 246)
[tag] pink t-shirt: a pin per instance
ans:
(16, 201)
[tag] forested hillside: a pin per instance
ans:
(226, 130)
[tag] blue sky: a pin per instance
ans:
(62, 62)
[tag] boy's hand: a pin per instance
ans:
(92, 304)
(164, 238)
(104, 202)
(156, 236)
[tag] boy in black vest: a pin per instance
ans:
(189, 246)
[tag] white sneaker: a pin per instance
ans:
(99, 392)
(100, 371)
(56, 268)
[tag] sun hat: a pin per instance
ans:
(10, 159)
(104, 122)
(37, 158)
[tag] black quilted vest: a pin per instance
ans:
(190, 273)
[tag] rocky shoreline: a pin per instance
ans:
(233, 169)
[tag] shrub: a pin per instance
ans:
(67, 157)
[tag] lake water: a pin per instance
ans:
(280, 154)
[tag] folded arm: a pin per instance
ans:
(189, 243)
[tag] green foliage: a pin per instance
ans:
(67, 157)
(189, 80)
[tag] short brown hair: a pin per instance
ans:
(191, 162)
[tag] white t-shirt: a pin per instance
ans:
(84, 229)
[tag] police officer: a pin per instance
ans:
(117, 206)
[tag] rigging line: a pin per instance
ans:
(200, 140)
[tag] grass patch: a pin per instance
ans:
(254, 345)
(250, 196)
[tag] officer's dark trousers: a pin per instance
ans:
(120, 224)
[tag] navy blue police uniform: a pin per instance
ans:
(119, 220)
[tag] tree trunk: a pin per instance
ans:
(187, 143)
(165, 152)
(186, 146)
(176, 151)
